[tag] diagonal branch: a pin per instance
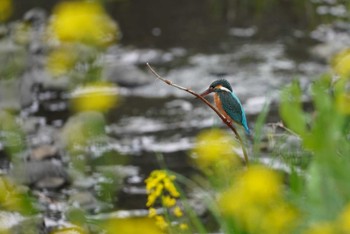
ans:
(226, 121)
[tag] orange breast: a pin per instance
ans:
(219, 106)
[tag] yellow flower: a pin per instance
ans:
(95, 96)
(261, 184)
(343, 103)
(83, 21)
(161, 223)
(168, 201)
(61, 60)
(170, 187)
(11, 197)
(344, 219)
(183, 226)
(158, 190)
(341, 63)
(154, 179)
(177, 211)
(281, 218)
(152, 212)
(151, 198)
(6, 9)
(322, 228)
(132, 226)
(257, 185)
(213, 147)
(156, 183)
(160, 185)
(255, 199)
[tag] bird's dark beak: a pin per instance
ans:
(206, 92)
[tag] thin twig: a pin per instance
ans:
(282, 126)
(226, 121)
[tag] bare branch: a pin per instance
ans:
(226, 121)
(282, 126)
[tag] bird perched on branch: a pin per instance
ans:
(227, 103)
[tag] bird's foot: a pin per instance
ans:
(227, 121)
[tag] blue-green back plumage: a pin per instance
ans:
(230, 103)
(233, 107)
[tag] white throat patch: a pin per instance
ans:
(224, 89)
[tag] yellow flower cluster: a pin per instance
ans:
(214, 149)
(341, 63)
(160, 185)
(142, 225)
(83, 21)
(11, 197)
(255, 202)
(6, 9)
(96, 96)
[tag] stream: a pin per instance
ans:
(190, 43)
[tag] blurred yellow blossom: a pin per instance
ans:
(255, 201)
(344, 219)
(213, 147)
(61, 60)
(341, 63)
(260, 184)
(83, 21)
(322, 228)
(11, 196)
(183, 226)
(168, 201)
(284, 218)
(95, 96)
(343, 102)
(161, 223)
(152, 212)
(6, 9)
(340, 225)
(132, 226)
(177, 211)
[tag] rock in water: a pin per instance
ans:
(41, 174)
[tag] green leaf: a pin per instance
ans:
(291, 109)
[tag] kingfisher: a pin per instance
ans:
(227, 102)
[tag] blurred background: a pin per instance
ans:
(83, 122)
